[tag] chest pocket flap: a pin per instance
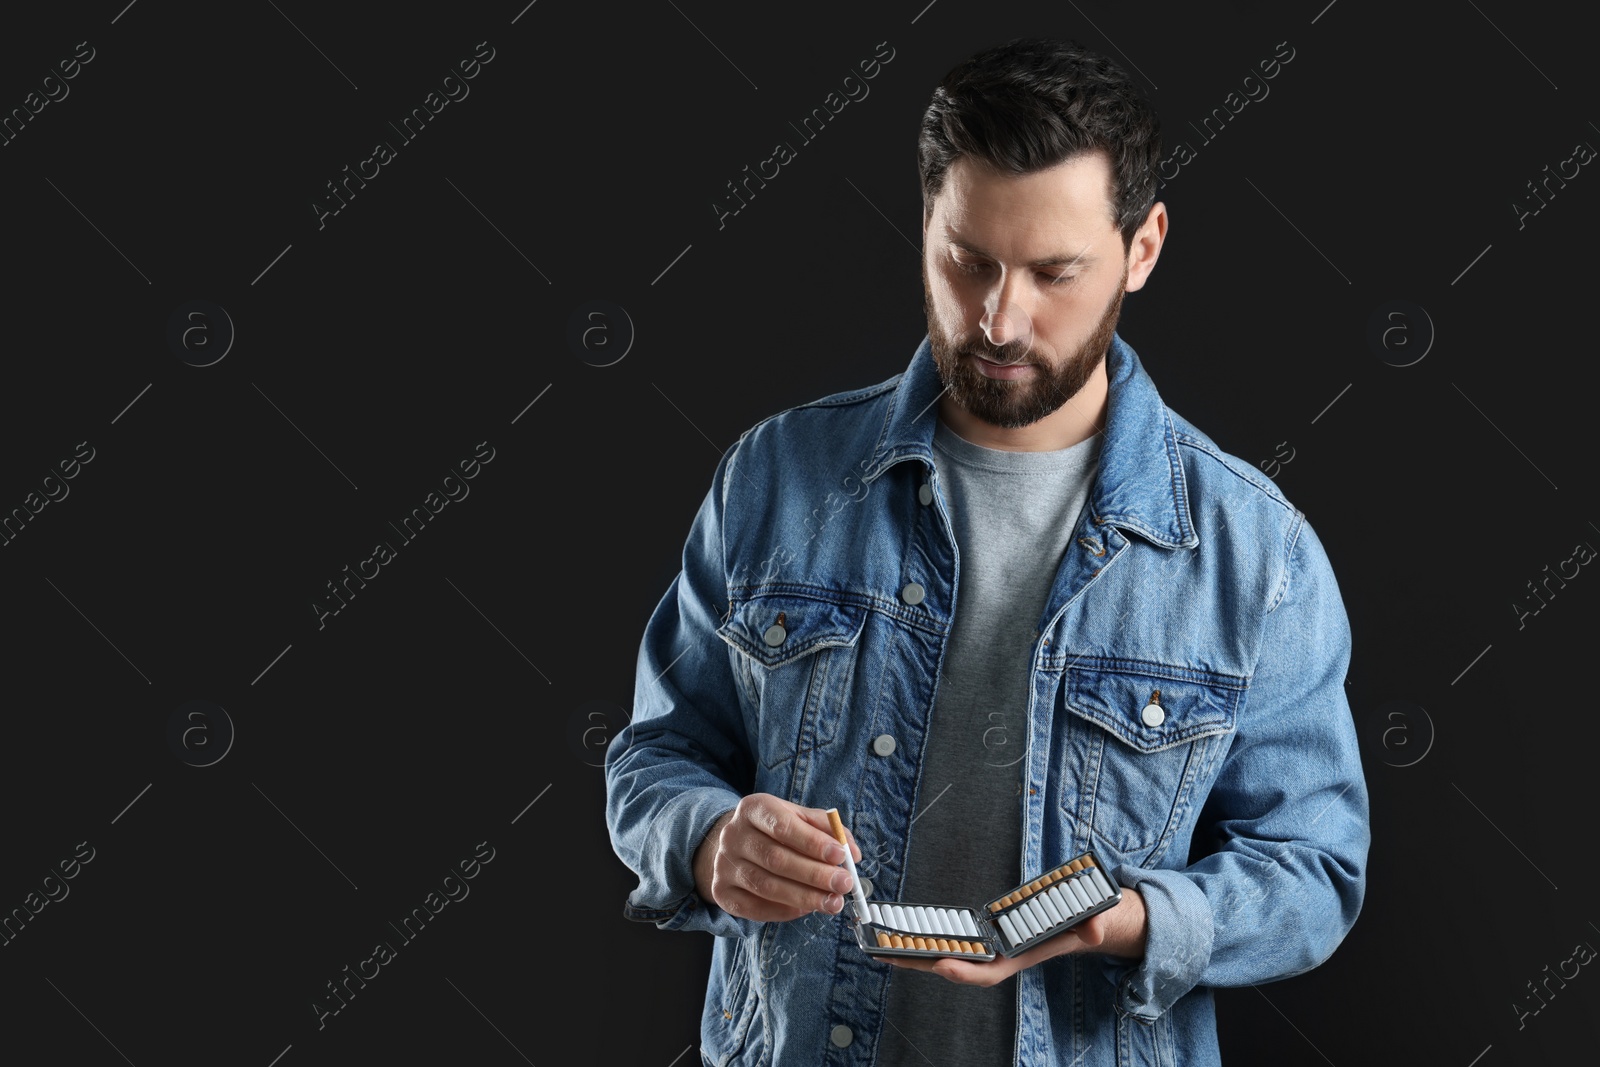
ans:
(775, 628)
(1150, 707)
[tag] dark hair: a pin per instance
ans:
(1031, 103)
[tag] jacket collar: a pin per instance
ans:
(1140, 484)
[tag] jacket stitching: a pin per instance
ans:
(1270, 491)
(1288, 561)
(1180, 485)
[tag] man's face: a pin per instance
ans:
(1023, 279)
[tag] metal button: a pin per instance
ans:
(1152, 715)
(925, 494)
(775, 634)
(912, 593)
(841, 1036)
(883, 744)
(866, 887)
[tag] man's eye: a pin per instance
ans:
(1048, 278)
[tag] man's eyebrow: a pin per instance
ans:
(1081, 259)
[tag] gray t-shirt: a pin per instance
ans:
(1013, 513)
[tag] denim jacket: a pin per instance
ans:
(792, 641)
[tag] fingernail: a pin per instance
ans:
(832, 903)
(836, 854)
(841, 881)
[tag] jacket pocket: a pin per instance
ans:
(731, 1002)
(1149, 746)
(1142, 1044)
(795, 658)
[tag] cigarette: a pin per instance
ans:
(837, 824)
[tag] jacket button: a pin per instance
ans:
(841, 1036)
(866, 887)
(1153, 715)
(883, 745)
(912, 593)
(775, 634)
(925, 494)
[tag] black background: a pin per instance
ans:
(376, 351)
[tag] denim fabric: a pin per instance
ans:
(1240, 817)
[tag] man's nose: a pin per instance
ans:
(1006, 318)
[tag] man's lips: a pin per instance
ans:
(1004, 371)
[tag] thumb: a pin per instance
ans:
(819, 817)
(1092, 931)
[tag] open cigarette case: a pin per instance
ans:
(1010, 924)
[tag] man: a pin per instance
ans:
(1002, 609)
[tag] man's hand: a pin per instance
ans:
(1117, 931)
(772, 861)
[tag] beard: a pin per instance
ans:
(1023, 402)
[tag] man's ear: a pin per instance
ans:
(1146, 246)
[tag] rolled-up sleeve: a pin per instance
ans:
(684, 757)
(1287, 816)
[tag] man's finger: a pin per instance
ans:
(806, 830)
(1092, 931)
(819, 818)
(758, 878)
(792, 899)
(771, 855)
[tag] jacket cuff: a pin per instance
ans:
(1178, 939)
(666, 895)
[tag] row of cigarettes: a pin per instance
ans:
(931, 944)
(938, 922)
(1051, 900)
